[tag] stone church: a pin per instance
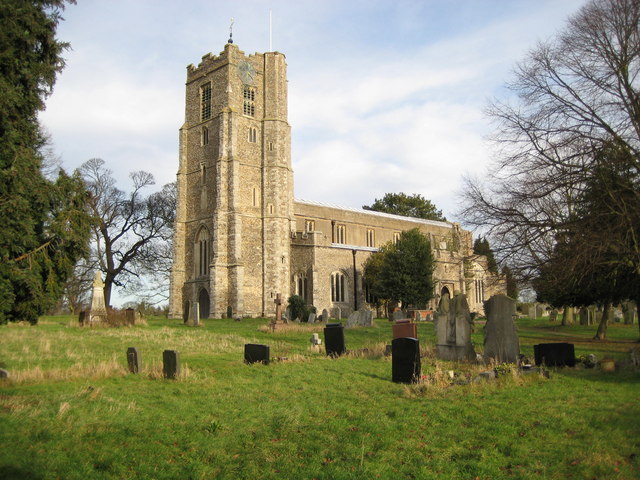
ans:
(241, 238)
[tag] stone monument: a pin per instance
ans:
(453, 329)
(98, 312)
(501, 343)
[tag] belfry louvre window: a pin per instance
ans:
(205, 101)
(249, 108)
(202, 253)
(337, 287)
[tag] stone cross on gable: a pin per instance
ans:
(278, 302)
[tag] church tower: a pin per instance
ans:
(235, 187)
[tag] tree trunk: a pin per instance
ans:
(601, 334)
(567, 316)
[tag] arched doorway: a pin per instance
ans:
(203, 301)
(445, 290)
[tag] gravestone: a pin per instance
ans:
(81, 317)
(194, 313)
(254, 353)
(404, 329)
(311, 318)
(553, 315)
(229, 312)
(98, 312)
(417, 316)
(629, 312)
(453, 329)
(531, 311)
(501, 343)
(133, 360)
(286, 316)
(334, 339)
(584, 316)
(405, 360)
(315, 339)
(399, 315)
(130, 316)
(325, 316)
(170, 364)
(360, 318)
(337, 313)
(555, 354)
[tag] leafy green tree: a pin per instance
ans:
(406, 205)
(403, 271)
(481, 247)
(44, 223)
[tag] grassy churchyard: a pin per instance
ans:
(70, 409)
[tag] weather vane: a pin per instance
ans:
(231, 31)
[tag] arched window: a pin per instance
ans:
(253, 135)
(301, 286)
(205, 136)
(201, 253)
(338, 287)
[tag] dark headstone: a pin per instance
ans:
(404, 329)
(81, 317)
(229, 312)
(501, 343)
(130, 316)
(254, 353)
(133, 360)
(171, 364)
(555, 354)
(405, 360)
(334, 339)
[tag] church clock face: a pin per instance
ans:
(246, 72)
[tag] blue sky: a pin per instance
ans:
(384, 96)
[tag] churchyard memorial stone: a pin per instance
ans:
(404, 329)
(453, 329)
(360, 318)
(311, 318)
(256, 353)
(130, 316)
(555, 354)
(501, 343)
(194, 311)
(325, 315)
(405, 360)
(315, 339)
(334, 339)
(81, 317)
(399, 315)
(170, 364)
(584, 316)
(133, 360)
(553, 315)
(337, 313)
(98, 312)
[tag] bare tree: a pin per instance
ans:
(575, 101)
(131, 231)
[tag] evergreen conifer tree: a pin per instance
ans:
(44, 223)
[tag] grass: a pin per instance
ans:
(70, 410)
